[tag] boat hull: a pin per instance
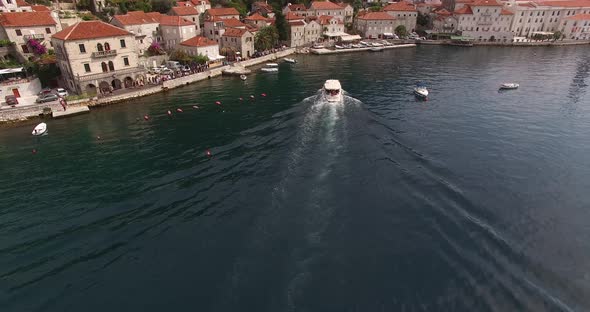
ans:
(270, 70)
(421, 93)
(40, 129)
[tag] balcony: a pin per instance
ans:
(106, 53)
(33, 36)
(112, 74)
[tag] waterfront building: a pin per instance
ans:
(22, 27)
(485, 20)
(348, 12)
(577, 27)
(15, 6)
(375, 24)
(544, 17)
(189, 13)
(144, 26)
(296, 33)
(216, 26)
(175, 30)
(444, 22)
(332, 27)
(238, 40)
(405, 14)
(327, 8)
(94, 55)
(200, 45)
(313, 32)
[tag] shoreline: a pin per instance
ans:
(21, 115)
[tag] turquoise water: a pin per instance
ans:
(472, 201)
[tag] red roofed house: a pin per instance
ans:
(577, 27)
(237, 40)
(200, 45)
(144, 26)
(328, 8)
(189, 13)
(222, 13)
(263, 8)
(485, 20)
(332, 27)
(375, 25)
(296, 33)
(348, 12)
(296, 9)
(215, 26)
(175, 30)
(20, 27)
(405, 14)
(257, 20)
(444, 22)
(94, 56)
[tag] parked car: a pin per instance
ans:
(155, 70)
(186, 68)
(46, 98)
(61, 92)
(167, 71)
(44, 91)
(11, 100)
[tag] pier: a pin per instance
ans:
(328, 51)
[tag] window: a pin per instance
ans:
(111, 66)
(87, 68)
(82, 48)
(107, 47)
(103, 65)
(126, 61)
(48, 30)
(25, 48)
(122, 41)
(141, 41)
(99, 47)
(18, 32)
(9, 1)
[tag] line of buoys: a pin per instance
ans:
(179, 110)
(169, 113)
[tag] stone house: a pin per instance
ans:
(96, 56)
(222, 13)
(375, 24)
(239, 40)
(175, 30)
(485, 20)
(405, 14)
(327, 8)
(15, 6)
(256, 20)
(296, 33)
(577, 27)
(20, 27)
(189, 13)
(144, 26)
(200, 45)
(263, 8)
(215, 27)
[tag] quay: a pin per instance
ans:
(71, 111)
(328, 51)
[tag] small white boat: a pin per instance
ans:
(40, 129)
(509, 86)
(290, 60)
(243, 77)
(377, 44)
(269, 69)
(319, 46)
(333, 90)
(338, 47)
(421, 91)
(272, 65)
(376, 49)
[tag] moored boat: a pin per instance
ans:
(421, 91)
(272, 65)
(376, 49)
(40, 129)
(332, 90)
(269, 69)
(290, 60)
(243, 77)
(509, 86)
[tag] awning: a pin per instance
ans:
(335, 34)
(216, 58)
(350, 38)
(11, 70)
(388, 34)
(544, 33)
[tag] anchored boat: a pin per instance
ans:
(290, 60)
(509, 86)
(40, 129)
(421, 91)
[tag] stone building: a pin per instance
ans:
(21, 27)
(144, 26)
(200, 45)
(375, 24)
(239, 40)
(405, 14)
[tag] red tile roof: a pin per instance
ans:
(90, 30)
(234, 32)
(324, 5)
(263, 5)
(183, 3)
(325, 20)
(232, 22)
(567, 4)
(22, 3)
(580, 17)
(138, 18)
(292, 16)
(167, 20)
(376, 16)
(296, 23)
(198, 41)
(24, 19)
(256, 17)
(343, 4)
(443, 12)
(185, 10)
(223, 12)
(506, 12)
(400, 6)
(528, 5)
(464, 10)
(486, 3)
(297, 7)
(40, 8)
(251, 28)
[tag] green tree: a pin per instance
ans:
(281, 25)
(266, 38)
(162, 6)
(401, 31)
(180, 56)
(200, 59)
(357, 5)
(423, 20)
(556, 35)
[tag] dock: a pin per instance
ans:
(71, 111)
(328, 51)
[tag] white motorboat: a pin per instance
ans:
(376, 49)
(333, 90)
(357, 46)
(243, 77)
(269, 69)
(290, 60)
(377, 44)
(272, 65)
(319, 46)
(509, 86)
(40, 129)
(338, 47)
(421, 91)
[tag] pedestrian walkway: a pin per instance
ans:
(71, 111)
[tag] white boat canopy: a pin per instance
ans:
(11, 70)
(348, 38)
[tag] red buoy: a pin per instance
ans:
(241, 99)
(217, 103)
(179, 110)
(195, 107)
(252, 96)
(34, 151)
(146, 117)
(208, 153)
(263, 94)
(169, 113)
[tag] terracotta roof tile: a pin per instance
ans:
(400, 6)
(506, 12)
(485, 3)
(223, 12)
(22, 3)
(167, 20)
(40, 8)
(90, 30)
(297, 7)
(232, 22)
(376, 16)
(325, 19)
(256, 17)
(324, 5)
(185, 10)
(138, 18)
(527, 5)
(183, 3)
(443, 12)
(234, 32)
(567, 4)
(23, 19)
(464, 10)
(296, 23)
(198, 41)
(292, 16)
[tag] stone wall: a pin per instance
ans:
(25, 113)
